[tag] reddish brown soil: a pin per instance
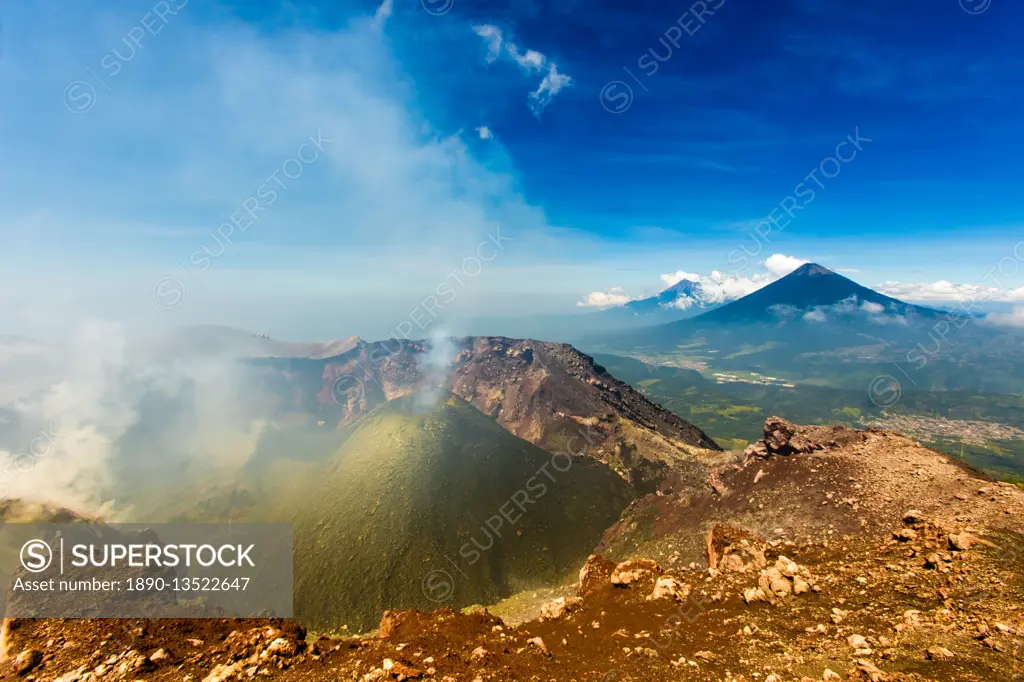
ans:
(919, 607)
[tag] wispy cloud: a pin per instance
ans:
(944, 291)
(529, 61)
(383, 13)
(1012, 319)
(875, 313)
(548, 88)
(492, 34)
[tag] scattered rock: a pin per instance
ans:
(913, 517)
(757, 449)
(782, 437)
(960, 542)
(224, 672)
(716, 484)
(27, 660)
(731, 549)
(133, 662)
(539, 643)
(401, 670)
(285, 648)
(732, 563)
(629, 572)
(668, 587)
(389, 623)
(754, 594)
(938, 653)
(786, 567)
(594, 574)
(772, 582)
(559, 607)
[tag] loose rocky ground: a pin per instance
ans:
(912, 570)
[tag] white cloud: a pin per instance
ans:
(604, 299)
(674, 278)
(874, 312)
(492, 34)
(714, 288)
(738, 287)
(549, 87)
(1014, 319)
(783, 310)
(888, 319)
(383, 12)
(949, 292)
(485, 133)
(530, 61)
(816, 315)
(683, 303)
(781, 265)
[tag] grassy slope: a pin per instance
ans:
(402, 500)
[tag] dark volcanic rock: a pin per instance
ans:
(549, 394)
(783, 438)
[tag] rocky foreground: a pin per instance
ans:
(824, 554)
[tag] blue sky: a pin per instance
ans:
(133, 130)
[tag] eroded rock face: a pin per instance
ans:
(547, 393)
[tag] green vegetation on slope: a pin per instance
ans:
(427, 508)
(733, 413)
